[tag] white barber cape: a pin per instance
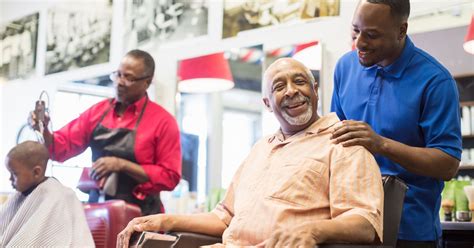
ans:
(50, 216)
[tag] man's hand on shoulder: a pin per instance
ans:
(305, 235)
(352, 133)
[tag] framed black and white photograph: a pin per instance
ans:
(158, 21)
(246, 15)
(18, 42)
(78, 35)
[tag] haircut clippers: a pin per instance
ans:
(40, 112)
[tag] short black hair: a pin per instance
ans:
(398, 8)
(148, 60)
(30, 153)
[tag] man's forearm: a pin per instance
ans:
(48, 138)
(48, 141)
(422, 161)
(133, 170)
(348, 229)
(205, 223)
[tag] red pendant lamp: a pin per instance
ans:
(469, 39)
(204, 74)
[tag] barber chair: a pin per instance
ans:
(394, 191)
(107, 219)
(90, 186)
(394, 194)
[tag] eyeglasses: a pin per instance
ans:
(116, 75)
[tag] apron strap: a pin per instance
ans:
(139, 117)
(141, 114)
(107, 111)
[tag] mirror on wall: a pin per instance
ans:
(242, 109)
(224, 124)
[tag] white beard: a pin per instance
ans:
(300, 119)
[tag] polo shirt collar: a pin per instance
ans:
(319, 126)
(323, 124)
(397, 68)
(135, 107)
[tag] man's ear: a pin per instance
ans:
(403, 31)
(148, 82)
(266, 101)
(315, 88)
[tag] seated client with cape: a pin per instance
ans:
(43, 212)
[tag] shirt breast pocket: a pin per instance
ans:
(300, 186)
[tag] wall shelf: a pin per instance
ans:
(467, 103)
(466, 167)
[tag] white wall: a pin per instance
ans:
(3, 173)
(17, 97)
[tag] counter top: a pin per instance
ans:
(449, 225)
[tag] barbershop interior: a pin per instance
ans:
(202, 119)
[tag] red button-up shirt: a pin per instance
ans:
(157, 144)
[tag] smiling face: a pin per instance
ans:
(378, 36)
(291, 94)
(22, 177)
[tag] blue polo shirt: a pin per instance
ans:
(413, 101)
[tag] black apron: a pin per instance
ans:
(120, 142)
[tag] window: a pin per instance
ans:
(241, 129)
(71, 105)
(194, 121)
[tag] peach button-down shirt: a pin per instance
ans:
(285, 182)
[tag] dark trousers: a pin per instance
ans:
(416, 244)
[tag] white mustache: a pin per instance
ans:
(294, 100)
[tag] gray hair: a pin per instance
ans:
(265, 74)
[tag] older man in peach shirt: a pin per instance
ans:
(295, 181)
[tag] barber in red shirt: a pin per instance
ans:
(129, 134)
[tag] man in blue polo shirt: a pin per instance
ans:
(403, 106)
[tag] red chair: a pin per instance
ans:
(107, 219)
(90, 186)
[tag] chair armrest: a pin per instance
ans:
(191, 240)
(352, 246)
(194, 240)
